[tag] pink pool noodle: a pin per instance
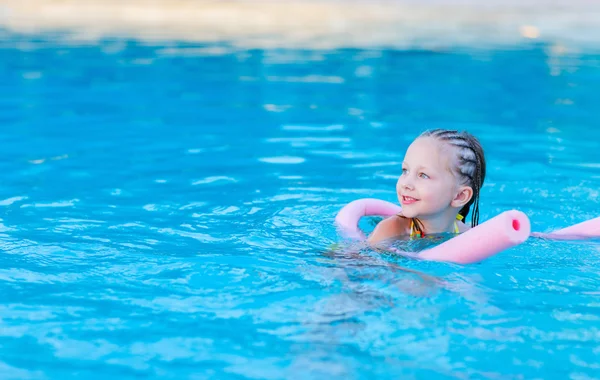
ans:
(584, 230)
(487, 239)
(348, 217)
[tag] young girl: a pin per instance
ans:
(442, 174)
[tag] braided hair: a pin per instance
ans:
(470, 167)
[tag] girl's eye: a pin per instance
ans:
(404, 171)
(423, 175)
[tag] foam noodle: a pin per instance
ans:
(584, 230)
(487, 239)
(348, 217)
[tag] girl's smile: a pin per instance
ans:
(406, 200)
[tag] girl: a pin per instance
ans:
(442, 175)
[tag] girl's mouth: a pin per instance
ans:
(406, 200)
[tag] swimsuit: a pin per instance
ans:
(414, 233)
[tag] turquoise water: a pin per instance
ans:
(166, 211)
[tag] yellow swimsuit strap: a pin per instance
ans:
(414, 233)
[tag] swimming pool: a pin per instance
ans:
(166, 211)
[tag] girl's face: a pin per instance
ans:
(427, 185)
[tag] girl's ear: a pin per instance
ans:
(464, 195)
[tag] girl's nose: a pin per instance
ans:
(404, 183)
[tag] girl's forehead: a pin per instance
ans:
(428, 147)
(429, 151)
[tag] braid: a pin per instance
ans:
(470, 168)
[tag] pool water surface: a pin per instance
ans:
(167, 211)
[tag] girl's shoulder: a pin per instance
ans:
(388, 228)
(462, 227)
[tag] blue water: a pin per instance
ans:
(166, 211)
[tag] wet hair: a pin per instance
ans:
(469, 167)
